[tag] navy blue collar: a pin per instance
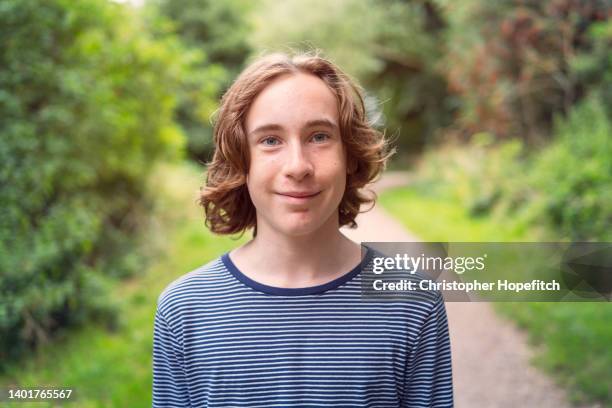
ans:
(310, 290)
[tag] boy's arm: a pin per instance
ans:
(429, 380)
(169, 382)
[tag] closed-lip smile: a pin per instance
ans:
(300, 194)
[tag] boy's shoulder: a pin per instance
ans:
(189, 285)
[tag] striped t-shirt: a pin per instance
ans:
(224, 340)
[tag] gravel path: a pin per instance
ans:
(490, 356)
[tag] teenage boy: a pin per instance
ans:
(280, 321)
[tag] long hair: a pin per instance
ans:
(227, 205)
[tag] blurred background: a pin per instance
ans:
(501, 113)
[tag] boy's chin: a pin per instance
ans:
(299, 228)
(299, 231)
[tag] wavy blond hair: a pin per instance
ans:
(225, 198)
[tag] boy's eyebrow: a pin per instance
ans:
(321, 122)
(311, 123)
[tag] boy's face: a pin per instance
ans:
(297, 173)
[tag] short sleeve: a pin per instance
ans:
(169, 382)
(429, 371)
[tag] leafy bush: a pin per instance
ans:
(475, 175)
(509, 62)
(218, 31)
(564, 189)
(571, 181)
(593, 68)
(86, 105)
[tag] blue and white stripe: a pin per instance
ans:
(224, 340)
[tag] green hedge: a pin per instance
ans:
(86, 106)
(571, 181)
(564, 190)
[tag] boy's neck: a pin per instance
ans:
(275, 259)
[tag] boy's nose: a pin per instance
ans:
(298, 164)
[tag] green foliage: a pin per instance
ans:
(576, 341)
(338, 28)
(571, 181)
(593, 68)
(564, 189)
(409, 44)
(216, 32)
(477, 176)
(219, 29)
(509, 62)
(86, 104)
(441, 219)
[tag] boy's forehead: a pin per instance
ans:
(293, 100)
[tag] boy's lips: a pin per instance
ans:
(299, 194)
(298, 197)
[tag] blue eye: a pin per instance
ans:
(270, 141)
(320, 137)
